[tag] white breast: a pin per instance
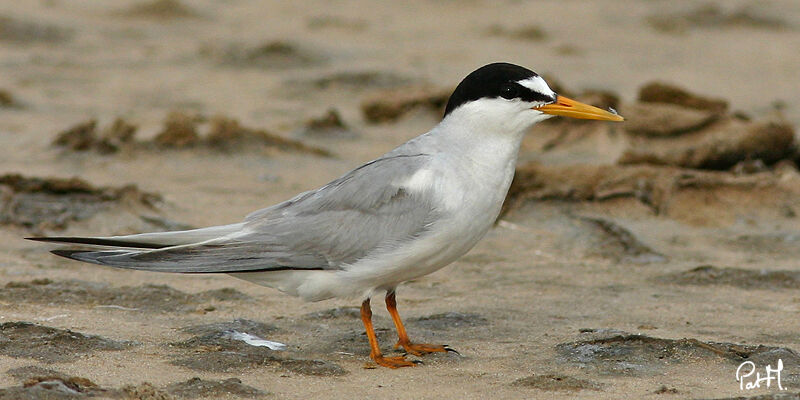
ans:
(469, 190)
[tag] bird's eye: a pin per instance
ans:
(509, 91)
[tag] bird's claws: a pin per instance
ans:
(422, 349)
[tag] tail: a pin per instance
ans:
(128, 246)
(155, 240)
(224, 249)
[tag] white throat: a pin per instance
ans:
(488, 131)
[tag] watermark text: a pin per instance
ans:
(749, 378)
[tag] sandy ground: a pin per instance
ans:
(618, 295)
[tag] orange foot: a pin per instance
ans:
(422, 349)
(393, 362)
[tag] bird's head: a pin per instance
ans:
(512, 98)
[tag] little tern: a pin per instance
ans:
(401, 216)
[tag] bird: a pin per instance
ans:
(403, 215)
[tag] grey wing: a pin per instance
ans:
(370, 209)
(365, 211)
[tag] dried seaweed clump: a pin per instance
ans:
(329, 125)
(181, 130)
(160, 9)
(84, 137)
(631, 354)
(710, 198)
(8, 100)
(52, 203)
(355, 80)
(28, 340)
(23, 31)
(227, 133)
(671, 126)
(712, 16)
(274, 54)
(661, 92)
(391, 104)
(528, 32)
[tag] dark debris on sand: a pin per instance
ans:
(227, 133)
(391, 104)
(84, 136)
(329, 125)
(47, 344)
(336, 22)
(196, 387)
(671, 126)
(274, 54)
(712, 15)
(663, 119)
(629, 354)
(41, 383)
(148, 297)
(78, 137)
(622, 244)
(181, 130)
(50, 389)
(666, 93)
(556, 382)
(528, 32)
(160, 9)
(144, 391)
(358, 80)
(743, 278)
(449, 320)
(240, 356)
(23, 31)
(214, 349)
(775, 242)
(8, 100)
(335, 313)
(664, 389)
(212, 332)
(52, 203)
(720, 147)
(666, 190)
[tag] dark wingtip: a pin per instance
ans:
(67, 253)
(97, 242)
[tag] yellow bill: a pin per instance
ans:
(567, 107)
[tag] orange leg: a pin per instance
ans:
(404, 342)
(375, 350)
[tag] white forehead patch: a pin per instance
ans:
(537, 84)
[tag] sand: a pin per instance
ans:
(654, 278)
